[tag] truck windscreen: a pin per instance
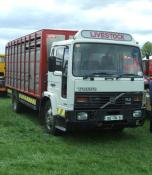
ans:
(106, 59)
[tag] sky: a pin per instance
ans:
(21, 17)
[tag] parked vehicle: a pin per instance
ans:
(2, 73)
(79, 82)
(147, 69)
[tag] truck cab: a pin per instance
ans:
(94, 80)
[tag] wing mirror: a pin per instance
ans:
(52, 63)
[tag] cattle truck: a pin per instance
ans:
(2, 73)
(77, 79)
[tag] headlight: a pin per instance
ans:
(137, 113)
(82, 116)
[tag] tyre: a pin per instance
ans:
(150, 124)
(16, 105)
(50, 120)
(117, 130)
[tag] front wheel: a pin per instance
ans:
(50, 120)
(117, 130)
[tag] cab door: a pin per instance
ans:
(57, 75)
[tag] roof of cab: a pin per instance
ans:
(93, 36)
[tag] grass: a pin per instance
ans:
(26, 149)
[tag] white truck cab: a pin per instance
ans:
(95, 80)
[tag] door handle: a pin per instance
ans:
(52, 84)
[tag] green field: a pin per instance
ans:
(25, 148)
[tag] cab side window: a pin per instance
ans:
(59, 58)
(65, 61)
(65, 72)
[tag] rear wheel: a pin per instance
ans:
(50, 120)
(150, 124)
(16, 105)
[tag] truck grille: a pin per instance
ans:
(96, 100)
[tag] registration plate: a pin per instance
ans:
(113, 117)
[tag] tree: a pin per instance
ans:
(147, 49)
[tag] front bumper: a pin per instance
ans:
(96, 118)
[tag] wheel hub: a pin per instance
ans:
(49, 119)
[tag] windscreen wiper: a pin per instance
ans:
(98, 74)
(88, 76)
(102, 73)
(95, 74)
(128, 75)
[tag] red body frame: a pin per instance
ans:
(19, 52)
